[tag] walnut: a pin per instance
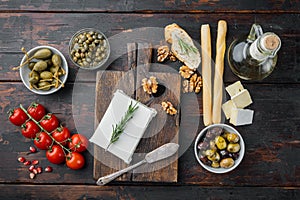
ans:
(162, 53)
(194, 84)
(150, 85)
(168, 107)
(185, 71)
(172, 56)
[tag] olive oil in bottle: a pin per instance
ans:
(254, 57)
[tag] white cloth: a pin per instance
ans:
(134, 130)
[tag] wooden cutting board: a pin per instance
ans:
(162, 129)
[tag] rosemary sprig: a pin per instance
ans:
(186, 47)
(120, 127)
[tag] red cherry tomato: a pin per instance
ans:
(30, 129)
(75, 160)
(36, 111)
(17, 116)
(49, 122)
(42, 141)
(56, 154)
(61, 135)
(78, 143)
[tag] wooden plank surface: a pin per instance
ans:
(55, 29)
(153, 6)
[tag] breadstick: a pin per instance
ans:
(206, 74)
(219, 69)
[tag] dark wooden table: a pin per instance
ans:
(271, 166)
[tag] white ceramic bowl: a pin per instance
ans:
(72, 42)
(24, 71)
(237, 161)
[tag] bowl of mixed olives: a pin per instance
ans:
(219, 148)
(43, 70)
(89, 49)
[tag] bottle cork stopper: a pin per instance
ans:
(271, 42)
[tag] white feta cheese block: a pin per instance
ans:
(227, 107)
(241, 117)
(125, 146)
(242, 99)
(234, 88)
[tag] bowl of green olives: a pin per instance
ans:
(43, 70)
(219, 148)
(89, 49)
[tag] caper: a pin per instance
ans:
(31, 65)
(220, 142)
(46, 75)
(49, 62)
(42, 54)
(44, 85)
(233, 147)
(53, 69)
(232, 137)
(40, 66)
(56, 60)
(227, 163)
(34, 77)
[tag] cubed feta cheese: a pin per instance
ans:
(227, 107)
(242, 99)
(234, 88)
(241, 116)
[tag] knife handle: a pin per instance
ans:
(108, 178)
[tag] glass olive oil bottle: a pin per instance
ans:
(254, 57)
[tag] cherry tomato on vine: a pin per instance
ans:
(30, 129)
(17, 116)
(75, 160)
(49, 122)
(78, 143)
(56, 154)
(42, 141)
(61, 135)
(36, 111)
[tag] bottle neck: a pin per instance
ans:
(264, 47)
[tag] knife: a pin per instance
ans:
(158, 154)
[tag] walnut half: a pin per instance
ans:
(163, 53)
(185, 71)
(194, 84)
(169, 108)
(150, 85)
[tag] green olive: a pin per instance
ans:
(220, 142)
(46, 75)
(215, 157)
(34, 77)
(215, 164)
(232, 137)
(44, 85)
(227, 162)
(43, 54)
(233, 147)
(40, 66)
(210, 152)
(56, 60)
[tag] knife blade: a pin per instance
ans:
(158, 154)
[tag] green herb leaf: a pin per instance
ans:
(186, 48)
(120, 127)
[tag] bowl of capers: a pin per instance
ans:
(43, 70)
(89, 49)
(219, 148)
